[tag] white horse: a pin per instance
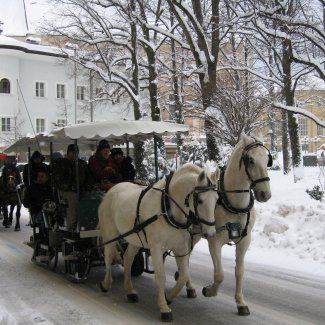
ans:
(244, 179)
(160, 218)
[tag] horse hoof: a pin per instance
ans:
(17, 228)
(102, 287)
(191, 293)
(133, 297)
(243, 311)
(205, 292)
(166, 317)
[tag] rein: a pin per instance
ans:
(193, 218)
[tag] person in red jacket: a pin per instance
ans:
(100, 167)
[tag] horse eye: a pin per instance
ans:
(251, 161)
(199, 201)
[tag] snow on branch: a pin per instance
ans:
(300, 111)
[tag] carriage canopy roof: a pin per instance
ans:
(117, 132)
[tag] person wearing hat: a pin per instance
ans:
(30, 170)
(63, 171)
(100, 166)
(64, 180)
(35, 196)
(124, 170)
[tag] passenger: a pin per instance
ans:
(64, 180)
(100, 167)
(124, 170)
(35, 164)
(64, 171)
(35, 196)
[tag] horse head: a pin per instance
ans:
(12, 181)
(200, 190)
(254, 158)
(205, 198)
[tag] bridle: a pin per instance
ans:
(245, 159)
(223, 200)
(193, 217)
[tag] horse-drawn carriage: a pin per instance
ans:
(175, 212)
(81, 248)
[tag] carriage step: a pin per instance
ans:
(70, 257)
(42, 258)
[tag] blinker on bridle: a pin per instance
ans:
(194, 216)
(245, 159)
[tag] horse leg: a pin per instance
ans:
(109, 253)
(11, 214)
(17, 226)
(218, 274)
(160, 278)
(5, 216)
(183, 277)
(190, 290)
(241, 250)
(128, 259)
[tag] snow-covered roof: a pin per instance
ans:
(13, 44)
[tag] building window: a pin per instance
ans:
(5, 124)
(61, 122)
(39, 89)
(4, 86)
(80, 92)
(303, 128)
(320, 130)
(40, 125)
(81, 121)
(60, 91)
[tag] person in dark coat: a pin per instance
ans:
(64, 180)
(123, 167)
(35, 164)
(36, 195)
(63, 171)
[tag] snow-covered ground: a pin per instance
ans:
(290, 228)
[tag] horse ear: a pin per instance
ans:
(215, 176)
(202, 176)
(244, 137)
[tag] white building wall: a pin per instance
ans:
(24, 70)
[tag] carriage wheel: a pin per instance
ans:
(79, 268)
(138, 264)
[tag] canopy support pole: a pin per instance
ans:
(155, 140)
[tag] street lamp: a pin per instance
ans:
(305, 141)
(193, 144)
(316, 140)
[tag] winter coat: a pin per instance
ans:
(35, 195)
(98, 168)
(33, 171)
(63, 172)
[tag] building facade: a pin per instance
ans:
(41, 90)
